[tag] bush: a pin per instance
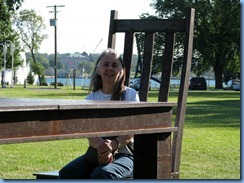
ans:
(30, 78)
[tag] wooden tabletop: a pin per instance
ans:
(22, 104)
(30, 120)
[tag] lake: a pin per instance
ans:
(86, 82)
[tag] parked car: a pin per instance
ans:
(234, 84)
(58, 84)
(198, 83)
(135, 83)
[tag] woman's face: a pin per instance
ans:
(110, 68)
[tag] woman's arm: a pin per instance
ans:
(122, 140)
(96, 142)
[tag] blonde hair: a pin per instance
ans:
(96, 80)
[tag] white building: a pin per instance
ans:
(21, 72)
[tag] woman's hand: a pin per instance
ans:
(105, 158)
(105, 147)
(105, 152)
(96, 142)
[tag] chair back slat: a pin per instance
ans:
(128, 52)
(147, 66)
(111, 33)
(167, 67)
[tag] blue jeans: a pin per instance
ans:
(120, 168)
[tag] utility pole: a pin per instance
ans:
(53, 22)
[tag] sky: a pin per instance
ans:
(83, 24)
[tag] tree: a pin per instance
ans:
(13, 4)
(7, 9)
(86, 66)
(30, 27)
(157, 51)
(38, 68)
(44, 61)
(30, 78)
(52, 63)
(216, 36)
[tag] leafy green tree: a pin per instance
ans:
(88, 67)
(38, 68)
(44, 61)
(7, 9)
(30, 27)
(13, 4)
(30, 78)
(216, 36)
(59, 64)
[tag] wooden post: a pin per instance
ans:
(111, 34)
(74, 77)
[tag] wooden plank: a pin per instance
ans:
(23, 104)
(149, 25)
(67, 119)
(128, 51)
(182, 97)
(111, 33)
(146, 150)
(164, 161)
(84, 135)
(47, 175)
(167, 67)
(44, 123)
(154, 150)
(147, 66)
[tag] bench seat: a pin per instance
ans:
(53, 175)
(47, 175)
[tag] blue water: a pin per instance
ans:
(86, 82)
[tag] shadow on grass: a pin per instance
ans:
(210, 108)
(62, 94)
(201, 94)
(222, 113)
(214, 94)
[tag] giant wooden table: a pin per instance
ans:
(33, 120)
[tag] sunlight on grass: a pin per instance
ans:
(25, 159)
(211, 153)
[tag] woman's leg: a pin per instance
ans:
(120, 168)
(76, 169)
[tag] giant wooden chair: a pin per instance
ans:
(170, 27)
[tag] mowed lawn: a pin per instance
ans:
(211, 140)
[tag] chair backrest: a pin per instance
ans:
(170, 27)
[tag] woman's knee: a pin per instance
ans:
(103, 173)
(74, 170)
(65, 173)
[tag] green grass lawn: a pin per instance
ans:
(211, 140)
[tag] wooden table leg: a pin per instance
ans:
(152, 156)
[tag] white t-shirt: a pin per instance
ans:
(130, 95)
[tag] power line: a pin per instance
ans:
(53, 22)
